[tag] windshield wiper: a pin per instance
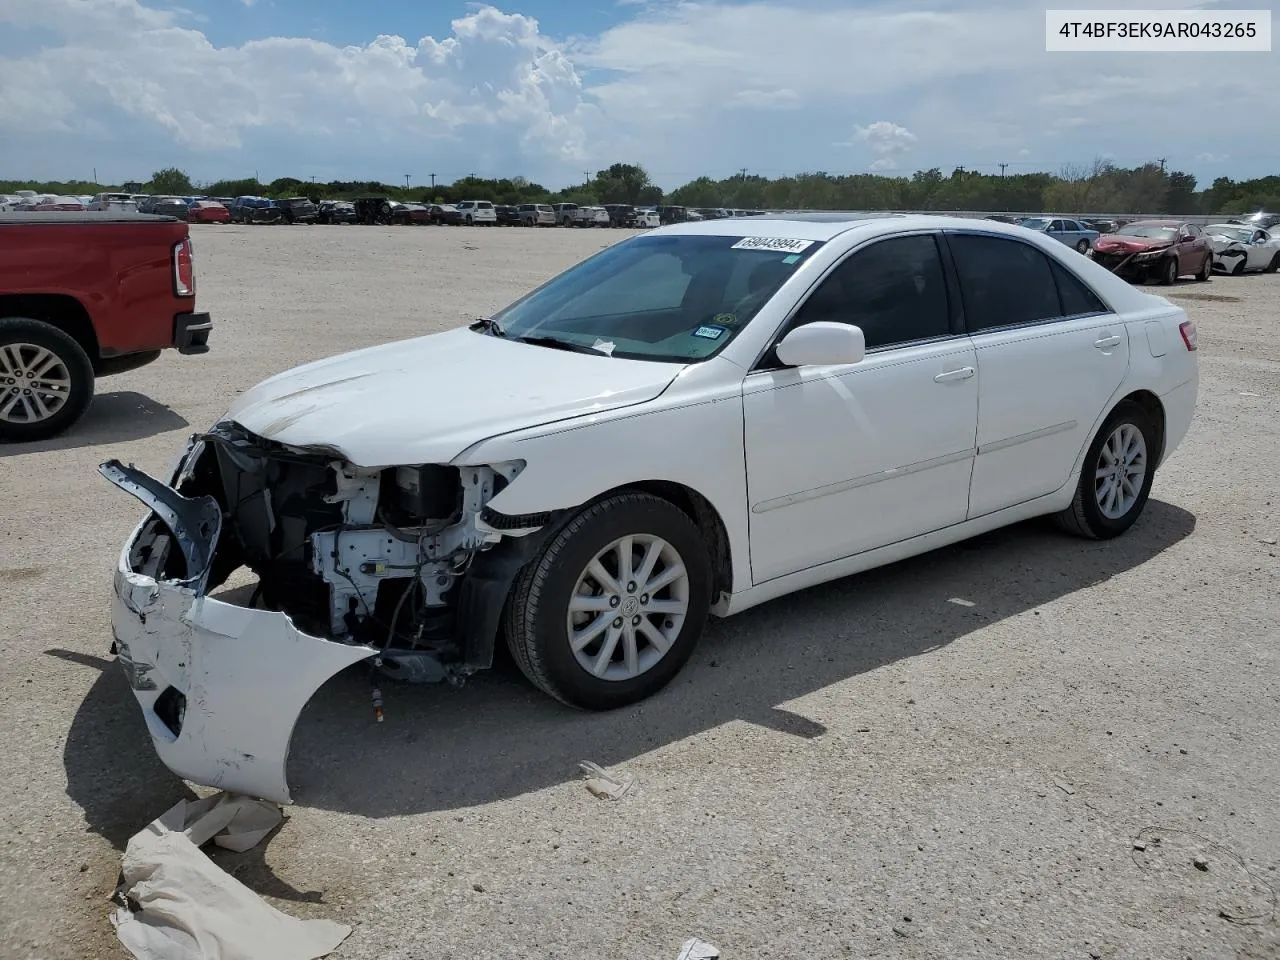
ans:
(557, 344)
(489, 324)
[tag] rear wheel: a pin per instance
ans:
(1274, 265)
(1115, 480)
(46, 380)
(1082, 245)
(614, 606)
(1206, 271)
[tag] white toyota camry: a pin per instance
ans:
(693, 421)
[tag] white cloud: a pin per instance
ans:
(1212, 158)
(683, 87)
(885, 137)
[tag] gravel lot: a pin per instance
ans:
(950, 757)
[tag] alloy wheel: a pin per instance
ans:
(628, 607)
(34, 383)
(1120, 471)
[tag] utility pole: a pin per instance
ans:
(1002, 166)
(587, 181)
(743, 171)
(406, 181)
(1162, 164)
(95, 174)
(433, 181)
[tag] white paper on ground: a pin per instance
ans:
(193, 910)
(695, 949)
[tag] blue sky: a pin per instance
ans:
(550, 89)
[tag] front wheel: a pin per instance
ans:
(1115, 480)
(613, 607)
(46, 380)
(1169, 272)
(1274, 265)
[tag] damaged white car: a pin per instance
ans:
(694, 420)
(1240, 247)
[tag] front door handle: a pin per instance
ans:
(963, 373)
(1106, 343)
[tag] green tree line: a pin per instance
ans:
(1098, 188)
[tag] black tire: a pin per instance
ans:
(15, 330)
(1169, 271)
(1274, 265)
(537, 609)
(1207, 270)
(1082, 245)
(1084, 517)
(1238, 269)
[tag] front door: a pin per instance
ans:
(843, 459)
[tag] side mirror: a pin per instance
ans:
(822, 343)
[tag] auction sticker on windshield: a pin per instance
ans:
(772, 244)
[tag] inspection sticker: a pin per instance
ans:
(709, 333)
(772, 244)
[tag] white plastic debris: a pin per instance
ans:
(189, 909)
(605, 785)
(695, 949)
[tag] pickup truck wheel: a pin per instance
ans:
(46, 380)
(614, 606)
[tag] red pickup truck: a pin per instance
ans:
(83, 295)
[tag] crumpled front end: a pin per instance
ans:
(351, 564)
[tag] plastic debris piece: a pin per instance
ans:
(187, 908)
(605, 785)
(695, 949)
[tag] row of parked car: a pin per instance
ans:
(1167, 249)
(373, 210)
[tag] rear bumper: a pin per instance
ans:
(191, 332)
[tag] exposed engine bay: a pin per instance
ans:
(374, 557)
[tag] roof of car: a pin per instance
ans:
(827, 225)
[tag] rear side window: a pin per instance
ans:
(1077, 299)
(894, 290)
(1003, 282)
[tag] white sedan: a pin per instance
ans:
(692, 421)
(1239, 247)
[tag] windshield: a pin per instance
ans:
(1153, 230)
(1036, 223)
(1230, 232)
(677, 299)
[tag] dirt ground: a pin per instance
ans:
(951, 757)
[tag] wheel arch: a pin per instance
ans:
(59, 310)
(1154, 408)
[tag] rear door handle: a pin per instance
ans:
(963, 373)
(1106, 343)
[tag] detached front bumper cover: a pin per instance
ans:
(221, 686)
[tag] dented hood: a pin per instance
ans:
(426, 400)
(1120, 243)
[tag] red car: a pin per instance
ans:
(65, 204)
(1161, 250)
(84, 295)
(208, 211)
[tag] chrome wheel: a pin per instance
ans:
(628, 607)
(1120, 472)
(34, 383)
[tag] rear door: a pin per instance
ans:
(1050, 355)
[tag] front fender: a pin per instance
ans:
(693, 442)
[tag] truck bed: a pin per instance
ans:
(82, 217)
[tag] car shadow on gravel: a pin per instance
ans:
(495, 738)
(117, 417)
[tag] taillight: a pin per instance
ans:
(184, 273)
(1188, 331)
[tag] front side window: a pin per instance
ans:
(674, 298)
(895, 290)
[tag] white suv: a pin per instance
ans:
(477, 213)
